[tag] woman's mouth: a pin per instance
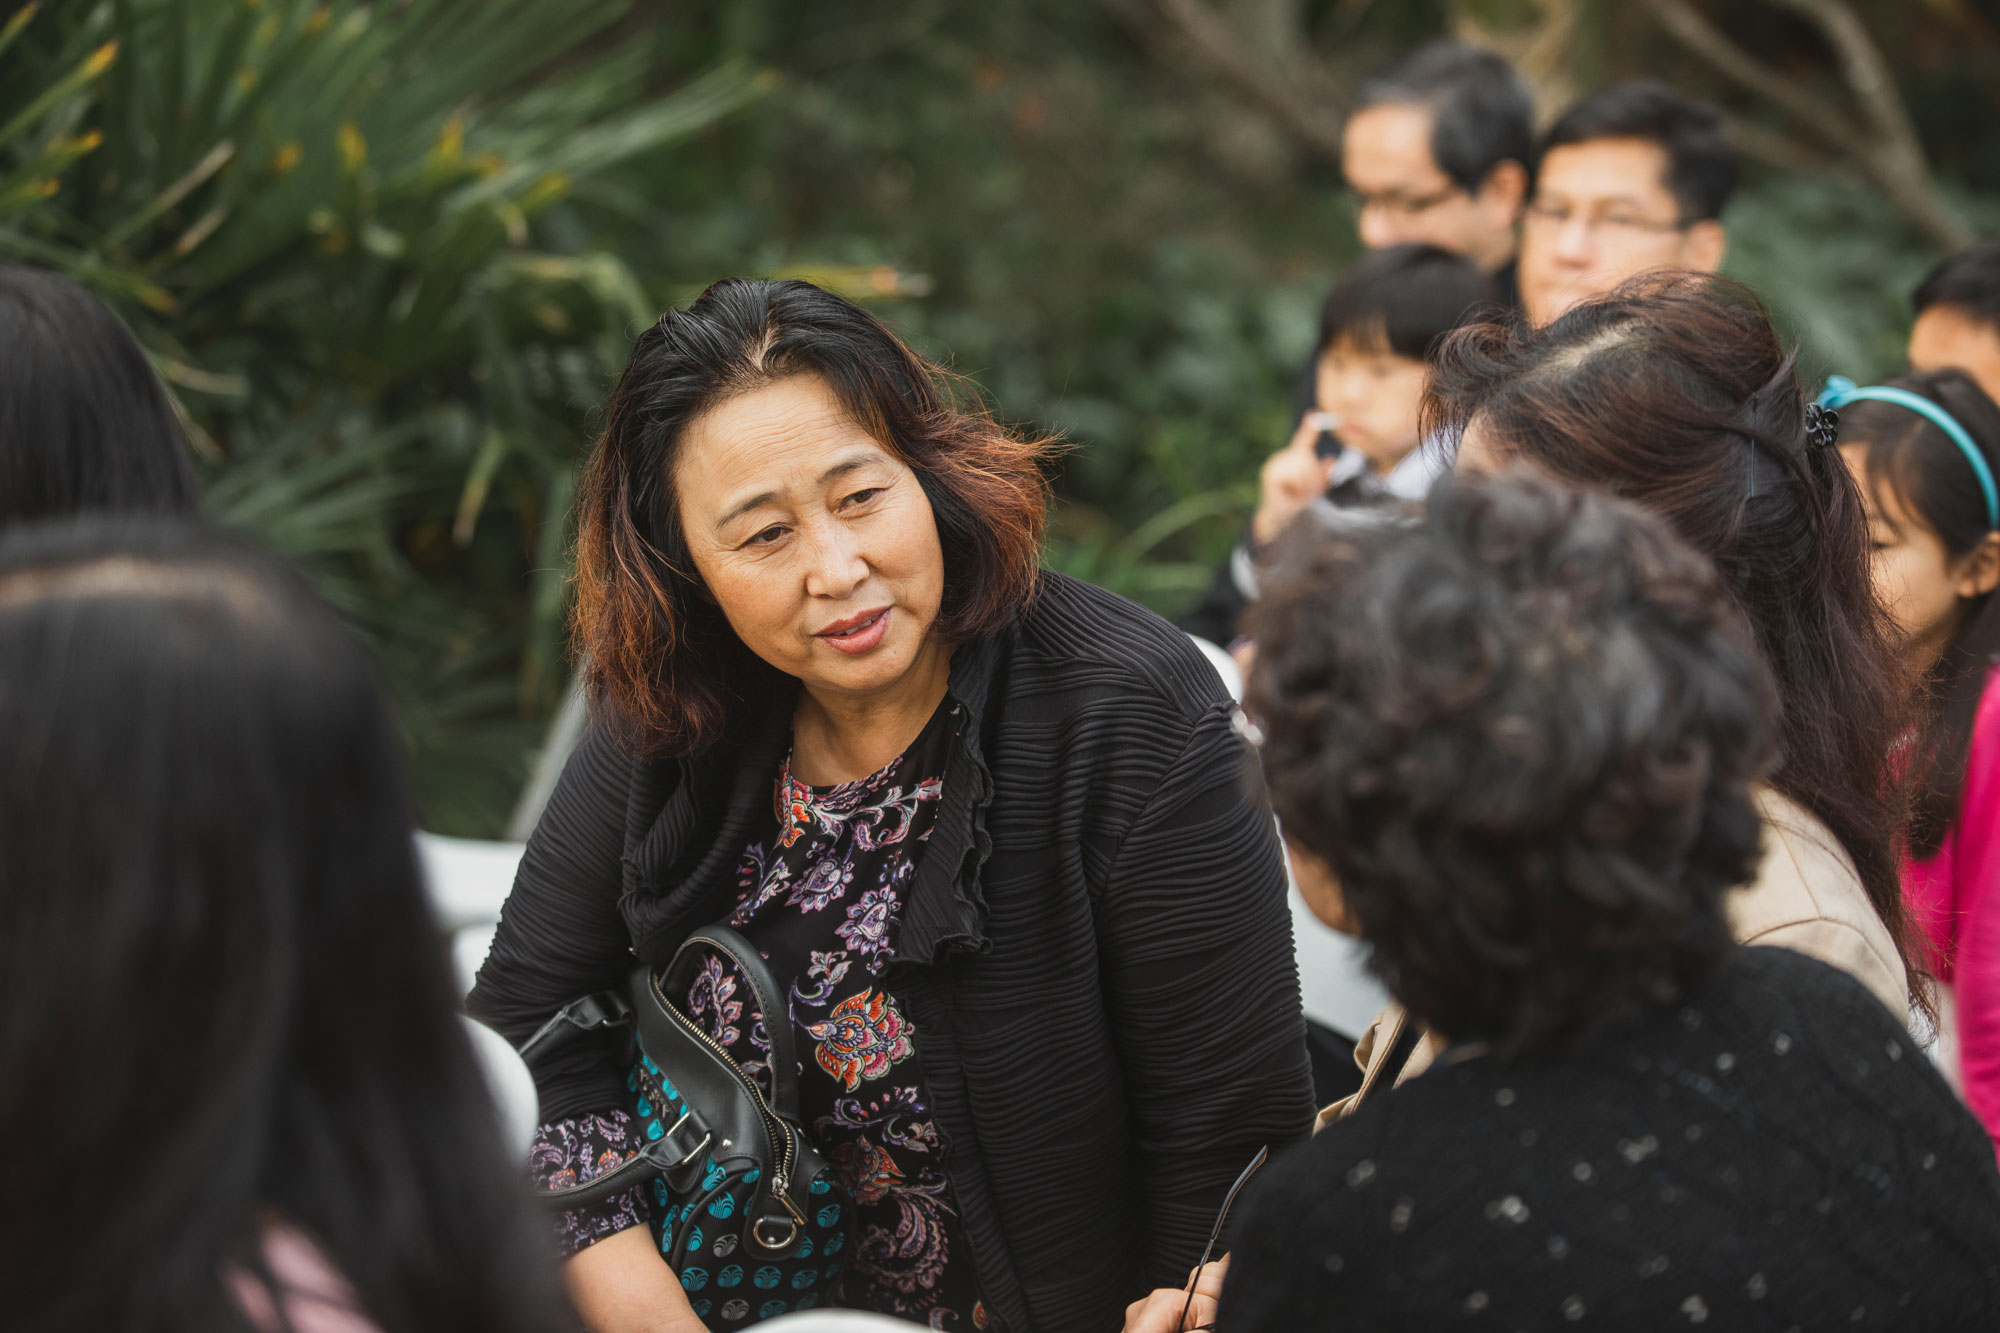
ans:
(856, 634)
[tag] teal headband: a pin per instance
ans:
(1840, 391)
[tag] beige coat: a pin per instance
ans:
(1806, 897)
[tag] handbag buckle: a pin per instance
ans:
(679, 1163)
(791, 1233)
(666, 1140)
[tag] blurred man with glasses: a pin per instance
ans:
(1436, 151)
(1629, 179)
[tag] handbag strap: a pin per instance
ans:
(678, 1156)
(763, 986)
(601, 1009)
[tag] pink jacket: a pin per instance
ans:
(1955, 898)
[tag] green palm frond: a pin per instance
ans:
(325, 221)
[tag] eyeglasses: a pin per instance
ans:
(1408, 205)
(1208, 1250)
(1613, 224)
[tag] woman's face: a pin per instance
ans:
(1916, 579)
(1377, 396)
(817, 542)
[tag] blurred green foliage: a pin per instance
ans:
(389, 259)
(329, 224)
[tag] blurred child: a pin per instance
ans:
(1358, 442)
(1375, 328)
(1925, 448)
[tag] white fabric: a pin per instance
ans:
(510, 1084)
(1225, 667)
(468, 878)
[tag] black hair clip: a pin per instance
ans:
(1822, 426)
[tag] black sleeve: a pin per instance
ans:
(1195, 938)
(1296, 1259)
(561, 934)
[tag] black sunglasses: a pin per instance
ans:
(1208, 1250)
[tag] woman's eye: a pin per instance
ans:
(767, 536)
(864, 496)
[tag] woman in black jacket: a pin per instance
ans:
(1514, 749)
(988, 826)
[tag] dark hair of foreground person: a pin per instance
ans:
(226, 1013)
(1522, 736)
(84, 423)
(661, 651)
(1676, 393)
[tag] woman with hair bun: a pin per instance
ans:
(986, 825)
(1675, 393)
(1925, 449)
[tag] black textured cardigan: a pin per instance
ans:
(1096, 951)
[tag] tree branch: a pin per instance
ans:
(1882, 142)
(1295, 95)
(1686, 25)
(1896, 155)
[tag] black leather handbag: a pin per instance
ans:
(748, 1212)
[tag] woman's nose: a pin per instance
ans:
(836, 564)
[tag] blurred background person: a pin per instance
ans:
(1677, 394)
(1957, 309)
(1436, 151)
(84, 423)
(1376, 326)
(811, 590)
(237, 1092)
(1636, 1123)
(1631, 178)
(1925, 449)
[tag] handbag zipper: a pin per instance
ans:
(774, 1125)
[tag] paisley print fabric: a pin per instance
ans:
(820, 895)
(566, 1153)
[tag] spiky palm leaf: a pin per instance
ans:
(329, 223)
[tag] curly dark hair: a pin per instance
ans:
(1522, 732)
(660, 651)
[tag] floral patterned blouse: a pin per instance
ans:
(820, 897)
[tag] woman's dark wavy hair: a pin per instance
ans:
(84, 423)
(1676, 393)
(660, 652)
(1908, 456)
(1522, 732)
(224, 1000)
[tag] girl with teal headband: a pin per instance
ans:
(1925, 449)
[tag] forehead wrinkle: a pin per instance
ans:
(840, 469)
